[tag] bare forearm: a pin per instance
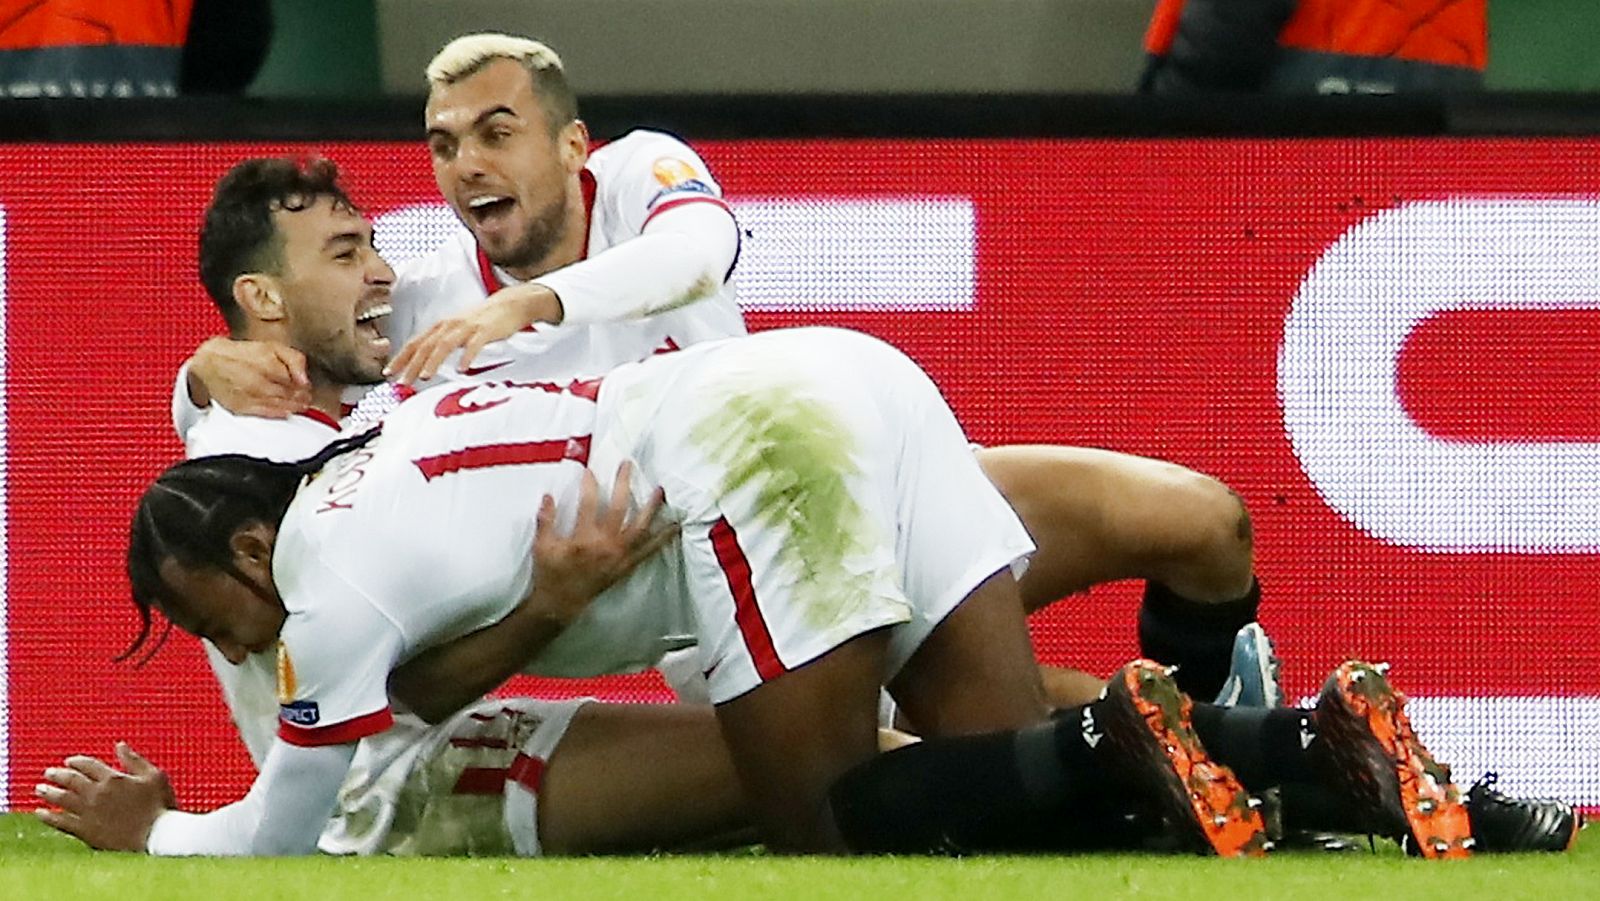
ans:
(441, 680)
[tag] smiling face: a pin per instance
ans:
(511, 178)
(333, 291)
(238, 611)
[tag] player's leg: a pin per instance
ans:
(1099, 516)
(638, 778)
(975, 672)
(792, 737)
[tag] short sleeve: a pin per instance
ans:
(657, 173)
(335, 654)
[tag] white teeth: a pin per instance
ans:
(477, 202)
(382, 309)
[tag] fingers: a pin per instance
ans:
(399, 362)
(478, 340)
(133, 761)
(652, 544)
(294, 364)
(56, 796)
(451, 337)
(60, 819)
(588, 498)
(92, 767)
(61, 777)
(412, 361)
(615, 513)
(647, 513)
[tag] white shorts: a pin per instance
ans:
(469, 786)
(825, 491)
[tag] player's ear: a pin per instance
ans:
(574, 143)
(258, 295)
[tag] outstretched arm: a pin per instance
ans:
(569, 571)
(683, 255)
(133, 809)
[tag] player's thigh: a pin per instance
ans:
(975, 672)
(1098, 516)
(792, 737)
(640, 777)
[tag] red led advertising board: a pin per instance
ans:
(1384, 345)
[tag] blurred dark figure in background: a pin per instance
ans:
(1316, 46)
(130, 48)
(228, 41)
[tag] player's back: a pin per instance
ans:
(433, 522)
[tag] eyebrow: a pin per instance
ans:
(483, 117)
(359, 237)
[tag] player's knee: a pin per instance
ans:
(1220, 537)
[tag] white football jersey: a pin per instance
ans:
(626, 183)
(426, 534)
(250, 689)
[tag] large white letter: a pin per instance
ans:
(1337, 375)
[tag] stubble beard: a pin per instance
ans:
(545, 230)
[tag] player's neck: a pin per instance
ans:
(328, 398)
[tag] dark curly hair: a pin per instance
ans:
(239, 235)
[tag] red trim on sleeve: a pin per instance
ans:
(746, 613)
(527, 771)
(315, 415)
(337, 734)
(674, 204)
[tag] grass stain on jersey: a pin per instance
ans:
(796, 455)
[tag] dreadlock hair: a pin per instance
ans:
(239, 234)
(192, 511)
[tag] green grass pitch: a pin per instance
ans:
(36, 863)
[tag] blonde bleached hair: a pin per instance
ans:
(469, 54)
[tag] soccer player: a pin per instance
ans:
(611, 255)
(325, 241)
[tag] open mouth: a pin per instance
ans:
(374, 321)
(489, 207)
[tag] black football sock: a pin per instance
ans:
(1034, 789)
(1316, 808)
(1263, 746)
(1195, 637)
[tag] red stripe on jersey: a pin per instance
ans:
(527, 771)
(495, 743)
(338, 733)
(674, 204)
(480, 780)
(514, 454)
(315, 415)
(746, 613)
